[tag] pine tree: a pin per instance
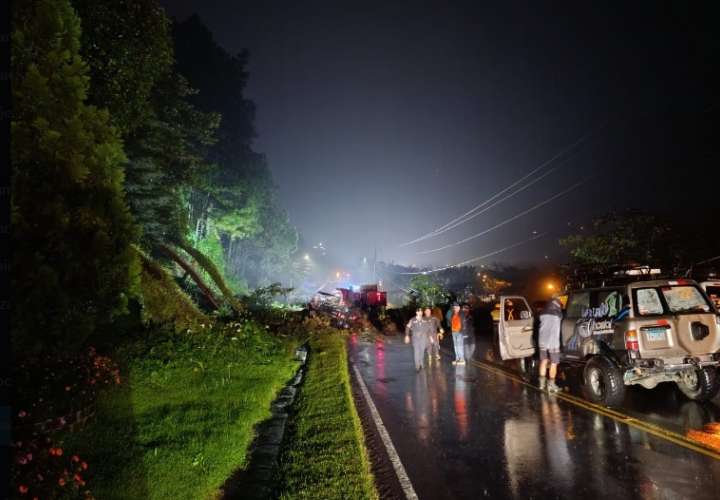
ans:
(73, 264)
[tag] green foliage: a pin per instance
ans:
(624, 238)
(127, 46)
(425, 291)
(167, 159)
(183, 419)
(236, 200)
(325, 455)
(73, 267)
(209, 267)
(164, 303)
(263, 297)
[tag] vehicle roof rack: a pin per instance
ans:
(612, 275)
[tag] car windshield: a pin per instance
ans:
(684, 299)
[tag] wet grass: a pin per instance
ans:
(324, 456)
(183, 419)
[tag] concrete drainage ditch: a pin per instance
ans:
(255, 481)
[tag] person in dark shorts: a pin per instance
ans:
(549, 343)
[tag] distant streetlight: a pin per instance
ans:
(306, 257)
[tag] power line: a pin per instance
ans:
(509, 220)
(475, 259)
(444, 227)
(480, 212)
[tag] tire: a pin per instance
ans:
(701, 385)
(603, 382)
(528, 367)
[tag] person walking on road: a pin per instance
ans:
(549, 343)
(435, 332)
(417, 327)
(456, 322)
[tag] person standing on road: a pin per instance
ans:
(435, 331)
(417, 327)
(549, 342)
(469, 331)
(456, 322)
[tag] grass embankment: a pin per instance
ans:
(325, 455)
(183, 418)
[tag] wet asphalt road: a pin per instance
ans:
(466, 432)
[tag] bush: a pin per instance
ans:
(58, 395)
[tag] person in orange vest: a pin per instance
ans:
(457, 323)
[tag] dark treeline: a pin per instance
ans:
(135, 182)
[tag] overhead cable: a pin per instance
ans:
(509, 220)
(442, 228)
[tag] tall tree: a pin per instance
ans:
(236, 205)
(128, 48)
(73, 264)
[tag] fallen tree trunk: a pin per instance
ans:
(209, 267)
(193, 274)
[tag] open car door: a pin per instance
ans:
(515, 328)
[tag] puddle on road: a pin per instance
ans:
(709, 435)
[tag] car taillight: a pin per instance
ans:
(631, 340)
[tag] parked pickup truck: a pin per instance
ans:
(644, 332)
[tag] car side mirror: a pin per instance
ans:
(524, 314)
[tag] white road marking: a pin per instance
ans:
(402, 476)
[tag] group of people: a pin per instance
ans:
(426, 331)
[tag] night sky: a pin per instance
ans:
(382, 121)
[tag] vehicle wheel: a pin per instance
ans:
(528, 367)
(603, 382)
(699, 385)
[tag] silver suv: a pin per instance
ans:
(644, 332)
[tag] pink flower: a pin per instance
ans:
(22, 414)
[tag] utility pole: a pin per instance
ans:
(375, 266)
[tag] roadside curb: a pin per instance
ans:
(256, 481)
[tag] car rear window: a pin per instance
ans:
(685, 299)
(648, 302)
(677, 299)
